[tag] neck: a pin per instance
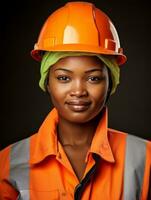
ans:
(77, 134)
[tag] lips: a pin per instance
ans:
(78, 105)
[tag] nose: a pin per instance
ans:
(79, 89)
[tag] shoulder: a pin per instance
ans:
(120, 135)
(19, 144)
(6, 188)
(116, 134)
(10, 154)
(130, 144)
(4, 162)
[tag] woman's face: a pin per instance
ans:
(78, 87)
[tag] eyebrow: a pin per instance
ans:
(88, 71)
(63, 70)
(93, 70)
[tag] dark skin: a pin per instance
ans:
(78, 87)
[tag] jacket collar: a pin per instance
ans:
(100, 143)
(45, 141)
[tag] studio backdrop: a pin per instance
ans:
(24, 106)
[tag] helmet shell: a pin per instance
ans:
(80, 27)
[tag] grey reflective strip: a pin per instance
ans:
(134, 167)
(19, 168)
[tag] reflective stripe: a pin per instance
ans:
(19, 168)
(134, 167)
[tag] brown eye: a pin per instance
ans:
(94, 79)
(63, 78)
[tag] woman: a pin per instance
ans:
(75, 155)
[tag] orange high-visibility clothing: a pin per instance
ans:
(37, 168)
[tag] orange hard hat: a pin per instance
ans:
(80, 27)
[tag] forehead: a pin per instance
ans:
(74, 62)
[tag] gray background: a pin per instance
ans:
(24, 106)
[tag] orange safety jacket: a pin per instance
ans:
(37, 168)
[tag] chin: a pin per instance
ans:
(79, 117)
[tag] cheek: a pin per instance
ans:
(99, 93)
(57, 93)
